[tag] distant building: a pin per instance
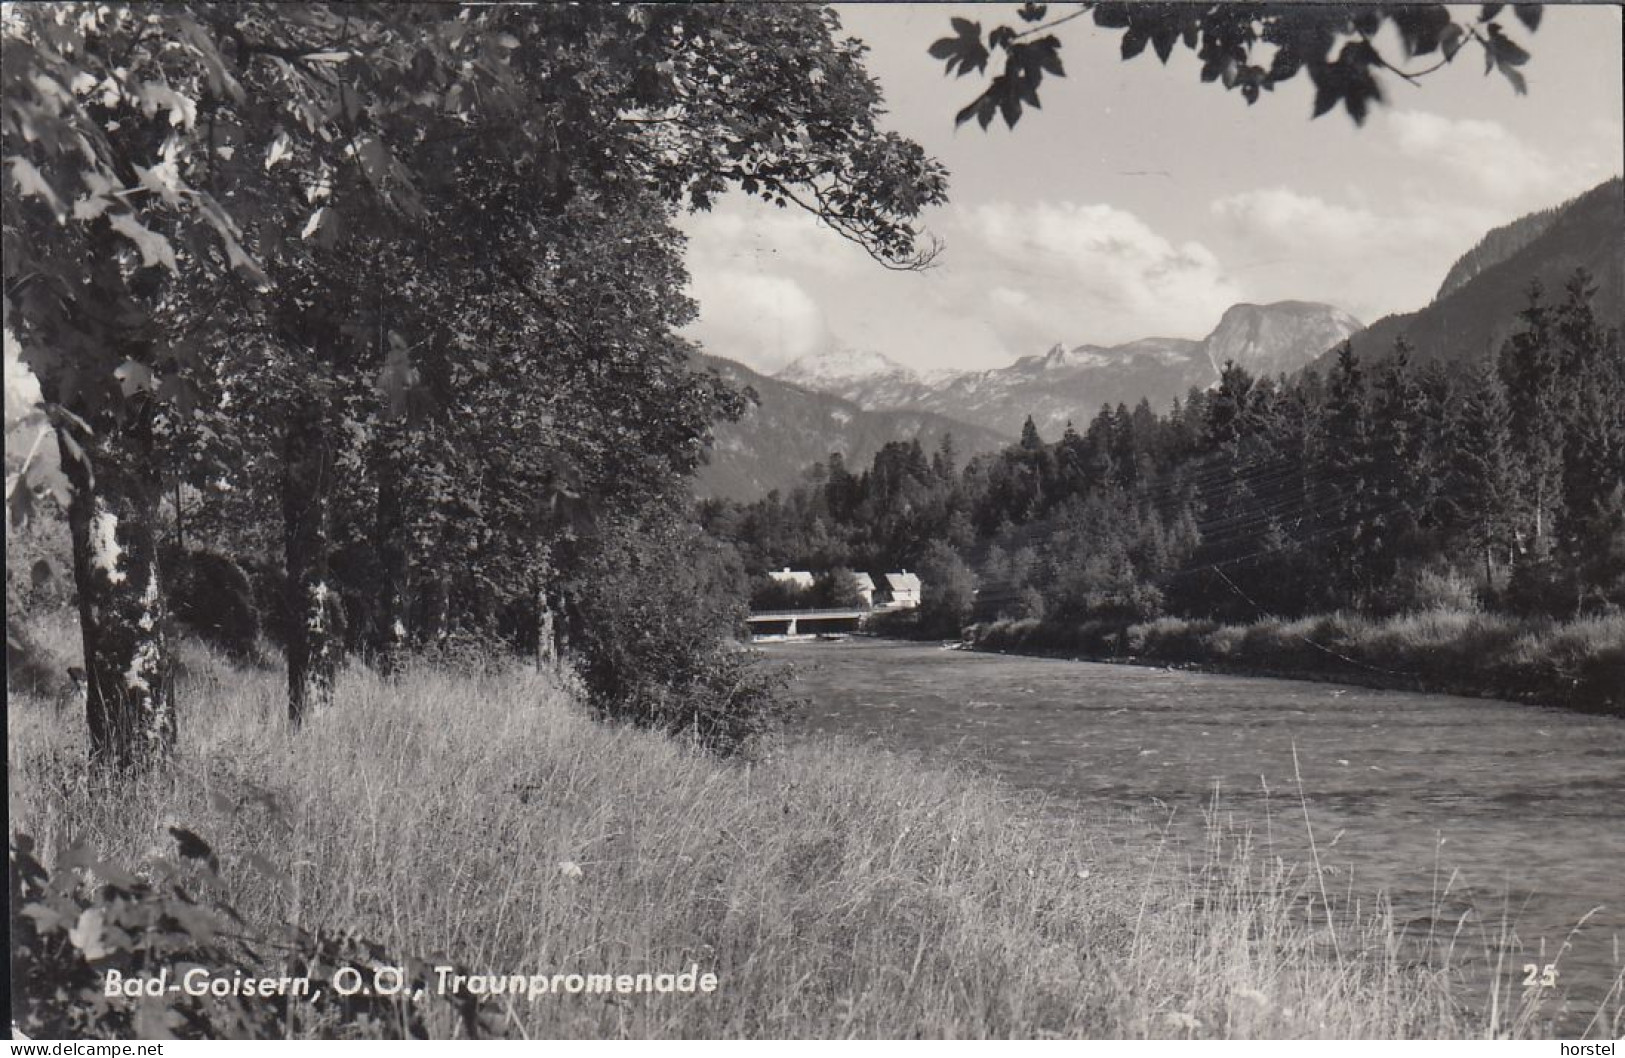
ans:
(801, 580)
(866, 587)
(902, 590)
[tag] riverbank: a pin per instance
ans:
(1577, 665)
(833, 889)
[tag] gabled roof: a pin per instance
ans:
(798, 577)
(864, 581)
(903, 581)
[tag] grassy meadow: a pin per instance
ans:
(835, 889)
(1578, 664)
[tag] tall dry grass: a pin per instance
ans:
(835, 889)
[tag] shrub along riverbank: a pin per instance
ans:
(485, 819)
(1576, 665)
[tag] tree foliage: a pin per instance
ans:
(658, 602)
(1381, 488)
(398, 280)
(1247, 48)
(947, 590)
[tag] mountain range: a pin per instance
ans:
(1070, 384)
(855, 401)
(790, 428)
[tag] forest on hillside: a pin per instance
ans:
(1380, 488)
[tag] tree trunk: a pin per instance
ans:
(312, 606)
(394, 588)
(433, 606)
(112, 518)
(545, 651)
(549, 603)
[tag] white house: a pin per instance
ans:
(903, 589)
(801, 580)
(866, 587)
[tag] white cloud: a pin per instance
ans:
(1062, 271)
(758, 318)
(1477, 152)
(1370, 259)
(1375, 255)
(1376, 248)
(1481, 159)
(1015, 279)
(1287, 216)
(757, 274)
(1010, 299)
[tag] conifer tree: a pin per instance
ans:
(1530, 370)
(1030, 441)
(1591, 530)
(1400, 480)
(1483, 478)
(1345, 496)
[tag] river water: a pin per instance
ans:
(1470, 814)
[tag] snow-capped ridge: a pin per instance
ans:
(1070, 383)
(837, 366)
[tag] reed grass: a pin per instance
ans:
(835, 889)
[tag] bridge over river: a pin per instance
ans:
(804, 622)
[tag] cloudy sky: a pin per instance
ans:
(1142, 202)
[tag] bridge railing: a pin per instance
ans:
(785, 615)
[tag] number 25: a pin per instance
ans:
(1540, 976)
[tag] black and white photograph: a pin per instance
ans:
(780, 521)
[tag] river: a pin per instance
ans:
(1466, 812)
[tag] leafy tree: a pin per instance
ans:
(91, 102)
(163, 126)
(947, 591)
(1097, 546)
(1249, 48)
(768, 593)
(837, 589)
(309, 152)
(657, 603)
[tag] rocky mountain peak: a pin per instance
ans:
(1276, 338)
(839, 367)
